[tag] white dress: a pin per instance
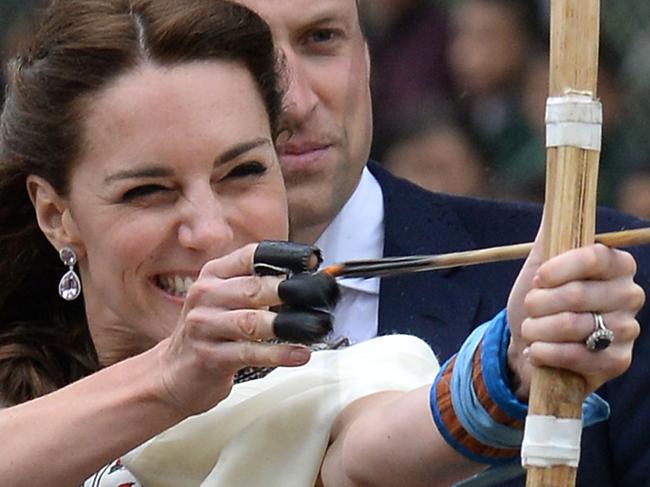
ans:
(274, 431)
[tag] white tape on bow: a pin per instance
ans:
(551, 441)
(574, 120)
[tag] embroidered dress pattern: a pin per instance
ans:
(113, 475)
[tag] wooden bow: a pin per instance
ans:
(571, 179)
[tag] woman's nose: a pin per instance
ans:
(204, 224)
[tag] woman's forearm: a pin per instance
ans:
(64, 437)
(390, 439)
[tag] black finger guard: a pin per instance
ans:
(302, 326)
(309, 291)
(278, 257)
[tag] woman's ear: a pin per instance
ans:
(52, 213)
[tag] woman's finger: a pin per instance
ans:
(234, 264)
(232, 356)
(209, 324)
(596, 367)
(576, 327)
(586, 296)
(591, 262)
(235, 293)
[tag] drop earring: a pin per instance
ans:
(69, 285)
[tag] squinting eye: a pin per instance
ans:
(246, 169)
(142, 191)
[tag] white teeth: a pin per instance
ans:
(176, 285)
(179, 283)
(188, 282)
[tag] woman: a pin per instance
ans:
(143, 132)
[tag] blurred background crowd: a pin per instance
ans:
(459, 88)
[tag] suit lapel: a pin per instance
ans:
(431, 305)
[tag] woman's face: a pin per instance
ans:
(177, 167)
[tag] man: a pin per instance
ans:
(356, 210)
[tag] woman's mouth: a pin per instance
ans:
(175, 285)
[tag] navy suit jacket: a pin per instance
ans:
(442, 307)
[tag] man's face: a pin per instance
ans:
(328, 113)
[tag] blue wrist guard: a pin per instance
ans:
(472, 402)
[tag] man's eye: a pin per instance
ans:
(143, 191)
(323, 35)
(246, 169)
(324, 41)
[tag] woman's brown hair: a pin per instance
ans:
(78, 48)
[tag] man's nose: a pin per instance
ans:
(300, 98)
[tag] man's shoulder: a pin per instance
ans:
(398, 189)
(480, 216)
(489, 222)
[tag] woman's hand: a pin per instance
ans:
(224, 319)
(551, 323)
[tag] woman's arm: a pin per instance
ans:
(391, 439)
(64, 437)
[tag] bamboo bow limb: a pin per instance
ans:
(571, 177)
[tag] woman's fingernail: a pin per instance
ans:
(299, 355)
(526, 352)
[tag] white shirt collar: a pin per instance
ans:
(357, 232)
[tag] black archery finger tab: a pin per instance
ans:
(276, 257)
(307, 296)
(302, 326)
(309, 291)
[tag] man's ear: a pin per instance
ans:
(53, 214)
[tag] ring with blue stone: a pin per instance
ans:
(602, 337)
